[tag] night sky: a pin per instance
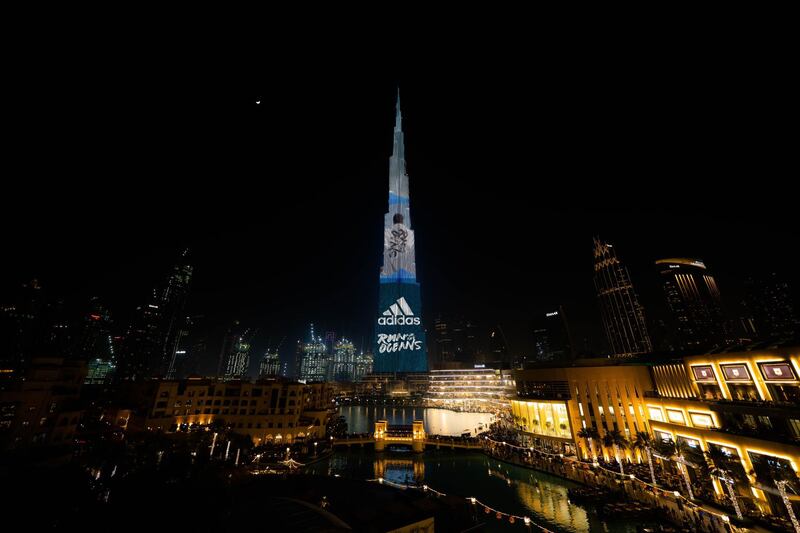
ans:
(113, 166)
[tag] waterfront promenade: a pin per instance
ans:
(684, 514)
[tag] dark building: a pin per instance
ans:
(456, 340)
(694, 302)
(498, 353)
(622, 314)
(142, 351)
(551, 338)
(158, 328)
(768, 301)
(176, 323)
(44, 407)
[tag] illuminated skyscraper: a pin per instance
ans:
(399, 334)
(239, 357)
(344, 361)
(623, 316)
(270, 364)
(314, 366)
(694, 302)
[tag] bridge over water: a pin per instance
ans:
(413, 436)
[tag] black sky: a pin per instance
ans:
(117, 158)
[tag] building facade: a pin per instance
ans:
(314, 364)
(399, 333)
(477, 390)
(744, 404)
(270, 365)
(694, 302)
(622, 314)
(269, 411)
(343, 366)
(43, 408)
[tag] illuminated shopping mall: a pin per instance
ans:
(477, 390)
(742, 404)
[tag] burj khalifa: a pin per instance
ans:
(399, 333)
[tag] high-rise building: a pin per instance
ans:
(769, 302)
(176, 323)
(158, 328)
(551, 338)
(693, 299)
(238, 365)
(344, 361)
(623, 315)
(270, 364)
(330, 342)
(443, 340)
(314, 366)
(399, 333)
(95, 340)
(455, 340)
(363, 365)
(498, 347)
(143, 343)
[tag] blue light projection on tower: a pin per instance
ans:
(399, 335)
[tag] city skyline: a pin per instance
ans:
(491, 243)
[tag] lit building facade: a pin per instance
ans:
(100, 371)
(623, 316)
(363, 365)
(399, 333)
(747, 404)
(314, 365)
(343, 367)
(477, 390)
(239, 358)
(270, 364)
(269, 411)
(554, 403)
(694, 301)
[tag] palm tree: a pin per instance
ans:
(719, 462)
(590, 434)
(644, 441)
(676, 450)
(618, 441)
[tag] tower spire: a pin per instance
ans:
(398, 120)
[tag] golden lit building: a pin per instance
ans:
(269, 410)
(554, 403)
(746, 404)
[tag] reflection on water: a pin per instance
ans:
(361, 419)
(506, 487)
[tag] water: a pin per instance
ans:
(508, 488)
(361, 419)
(502, 486)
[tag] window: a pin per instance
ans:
(702, 420)
(676, 417)
(656, 414)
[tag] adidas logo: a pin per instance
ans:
(399, 314)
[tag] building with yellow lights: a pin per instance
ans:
(268, 411)
(745, 404)
(477, 390)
